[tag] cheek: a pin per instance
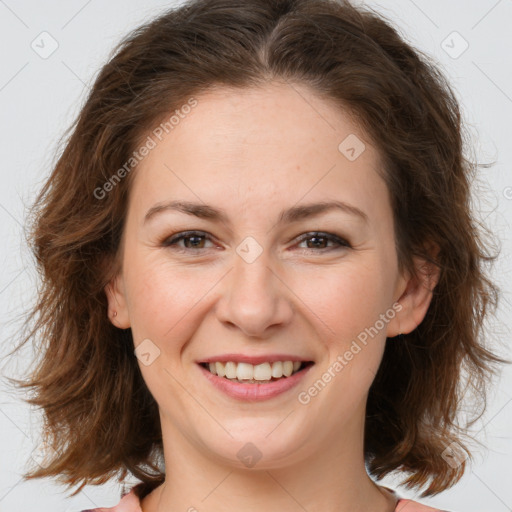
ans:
(346, 306)
(344, 300)
(162, 298)
(165, 306)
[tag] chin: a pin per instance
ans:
(259, 445)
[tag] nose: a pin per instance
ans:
(255, 299)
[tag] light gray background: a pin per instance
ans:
(39, 98)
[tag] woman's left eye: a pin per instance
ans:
(320, 238)
(196, 239)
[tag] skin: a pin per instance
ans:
(253, 153)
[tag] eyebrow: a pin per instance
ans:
(293, 214)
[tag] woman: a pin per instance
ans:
(262, 280)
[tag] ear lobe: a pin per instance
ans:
(117, 308)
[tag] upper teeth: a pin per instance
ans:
(246, 371)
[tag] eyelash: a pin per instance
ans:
(173, 240)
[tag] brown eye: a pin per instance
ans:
(191, 240)
(318, 240)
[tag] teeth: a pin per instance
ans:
(244, 371)
(262, 371)
(221, 370)
(230, 370)
(287, 368)
(277, 369)
(252, 373)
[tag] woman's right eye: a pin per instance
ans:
(192, 240)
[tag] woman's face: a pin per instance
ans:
(255, 279)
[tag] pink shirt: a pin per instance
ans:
(130, 503)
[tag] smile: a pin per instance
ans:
(257, 374)
(253, 383)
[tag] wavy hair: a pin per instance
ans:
(99, 415)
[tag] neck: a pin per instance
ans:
(334, 480)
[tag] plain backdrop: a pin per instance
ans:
(50, 53)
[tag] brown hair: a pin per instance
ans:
(99, 415)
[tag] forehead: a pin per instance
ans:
(275, 143)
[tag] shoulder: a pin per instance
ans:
(129, 503)
(404, 505)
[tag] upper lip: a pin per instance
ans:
(243, 358)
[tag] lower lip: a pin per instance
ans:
(255, 392)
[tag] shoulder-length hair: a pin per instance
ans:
(99, 416)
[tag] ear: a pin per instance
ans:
(416, 295)
(117, 304)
